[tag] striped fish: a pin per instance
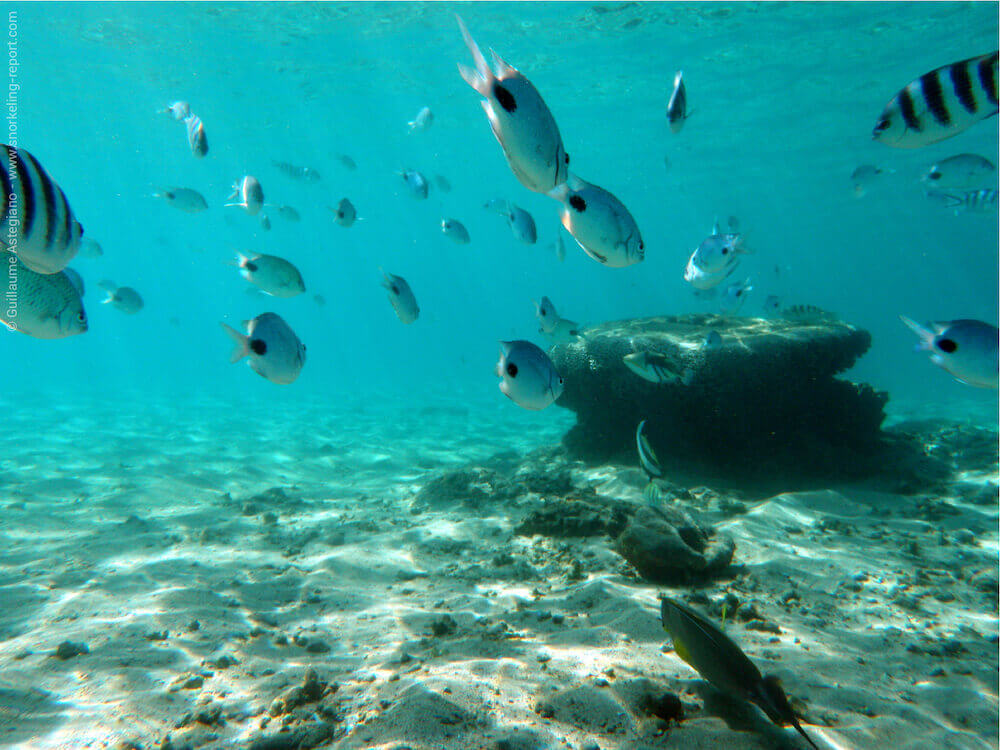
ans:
(940, 104)
(974, 201)
(647, 459)
(654, 367)
(36, 222)
(197, 139)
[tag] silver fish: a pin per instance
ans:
(527, 375)
(401, 296)
(123, 298)
(275, 352)
(521, 121)
(557, 330)
(45, 306)
(599, 223)
(36, 221)
(772, 303)
(185, 199)
(288, 213)
(274, 275)
(863, 177)
(347, 162)
(677, 106)
(559, 247)
(250, 195)
(90, 248)
(521, 223)
(178, 110)
(961, 172)
(416, 183)
(735, 296)
(718, 252)
(443, 184)
(967, 349)
(265, 223)
(940, 104)
(197, 139)
(455, 231)
(423, 120)
(647, 458)
(344, 214)
(305, 174)
(713, 340)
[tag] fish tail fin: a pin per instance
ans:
(925, 334)
(242, 342)
(479, 78)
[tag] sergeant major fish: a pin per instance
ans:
(250, 195)
(677, 106)
(520, 119)
(527, 375)
(197, 139)
(940, 104)
(973, 201)
(599, 223)
(36, 221)
(401, 297)
(275, 352)
(967, 349)
(273, 275)
(48, 305)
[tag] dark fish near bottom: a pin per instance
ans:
(714, 655)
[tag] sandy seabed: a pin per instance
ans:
(189, 575)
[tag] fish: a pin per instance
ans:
(123, 298)
(733, 222)
(521, 121)
(963, 171)
(717, 659)
(527, 375)
(734, 297)
(522, 224)
(718, 252)
(76, 280)
(863, 177)
(423, 120)
(677, 106)
(250, 194)
(973, 202)
(36, 221)
(401, 296)
(712, 340)
(265, 223)
(807, 314)
(455, 231)
(599, 223)
(347, 162)
(90, 248)
(275, 352)
(48, 305)
(705, 283)
(187, 200)
(197, 139)
(966, 349)
(305, 174)
(647, 458)
(443, 184)
(772, 303)
(273, 275)
(656, 368)
(344, 214)
(416, 183)
(320, 300)
(178, 110)
(288, 213)
(559, 247)
(940, 104)
(546, 313)
(557, 330)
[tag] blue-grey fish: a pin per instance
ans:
(122, 298)
(178, 110)
(304, 174)
(677, 106)
(401, 296)
(656, 368)
(647, 458)
(520, 119)
(559, 247)
(599, 223)
(454, 230)
(521, 223)
(713, 340)
(423, 120)
(734, 297)
(557, 330)
(48, 304)
(288, 213)
(967, 349)
(443, 184)
(90, 248)
(265, 222)
(772, 303)
(714, 656)
(973, 202)
(961, 172)
(415, 182)
(197, 139)
(344, 214)
(940, 104)
(185, 199)
(347, 162)
(275, 352)
(249, 195)
(718, 252)
(76, 280)
(36, 221)
(527, 375)
(273, 275)
(864, 177)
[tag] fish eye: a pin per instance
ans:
(948, 346)
(81, 317)
(725, 250)
(395, 289)
(641, 245)
(934, 176)
(512, 369)
(883, 124)
(566, 158)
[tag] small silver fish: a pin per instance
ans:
(967, 349)
(423, 120)
(123, 298)
(275, 352)
(197, 139)
(344, 214)
(320, 300)
(90, 248)
(347, 162)
(522, 224)
(557, 330)
(455, 231)
(559, 247)
(735, 296)
(178, 110)
(273, 275)
(401, 296)
(48, 304)
(443, 184)
(677, 106)
(599, 223)
(250, 195)
(718, 252)
(703, 282)
(527, 375)
(863, 177)
(713, 340)
(185, 199)
(265, 223)
(961, 172)
(304, 174)
(416, 183)
(772, 303)
(647, 458)
(288, 213)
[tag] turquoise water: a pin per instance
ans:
(144, 415)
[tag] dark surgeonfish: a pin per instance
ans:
(714, 655)
(940, 104)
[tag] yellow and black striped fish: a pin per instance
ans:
(940, 104)
(36, 221)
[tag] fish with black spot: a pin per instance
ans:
(940, 104)
(599, 223)
(527, 375)
(962, 171)
(520, 119)
(521, 223)
(273, 275)
(416, 183)
(967, 349)
(345, 213)
(275, 352)
(403, 301)
(36, 221)
(249, 193)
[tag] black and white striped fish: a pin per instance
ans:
(647, 459)
(940, 104)
(973, 202)
(36, 221)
